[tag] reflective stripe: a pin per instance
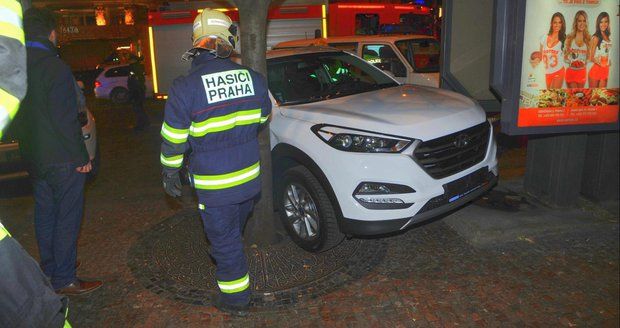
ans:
(172, 161)
(201, 207)
(11, 20)
(8, 107)
(173, 135)
(235, 286)
(264, 119)
(223, 181)
(12, 31)
(9, 16)
(13, 6)
(8, 104)
(3, 232)
(225, 122)
(67, 324)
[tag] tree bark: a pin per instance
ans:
(262, 228)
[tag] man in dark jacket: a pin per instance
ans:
(137, 89)
(26, 296)
(51, 141)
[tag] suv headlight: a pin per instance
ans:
(360, 141)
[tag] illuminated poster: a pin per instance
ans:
(570, 63)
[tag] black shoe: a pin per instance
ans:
(235, 310)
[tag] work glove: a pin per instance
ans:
(172, 184)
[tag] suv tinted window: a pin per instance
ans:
(117, 71)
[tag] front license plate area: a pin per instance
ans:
(459, 188)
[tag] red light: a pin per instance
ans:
(97, 84)
(361, 6)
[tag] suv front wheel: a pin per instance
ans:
(306, 211)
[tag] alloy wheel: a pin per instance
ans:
(301, 212)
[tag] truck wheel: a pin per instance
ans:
(306, 211)
(119, 95)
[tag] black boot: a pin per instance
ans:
(232, 309)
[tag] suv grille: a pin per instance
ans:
(453, 153)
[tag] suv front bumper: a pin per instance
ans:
(436, 206)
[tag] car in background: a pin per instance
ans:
(409, 59)
(111, 83)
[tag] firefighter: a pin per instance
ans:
(216, 111)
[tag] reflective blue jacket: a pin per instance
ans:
(216, 110)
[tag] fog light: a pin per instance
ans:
(372, 195)
(376, 188)
(381, 200)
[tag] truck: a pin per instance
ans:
(168, 30)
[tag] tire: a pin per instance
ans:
(311, 223)
(119, 95)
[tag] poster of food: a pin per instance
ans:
(571, 63)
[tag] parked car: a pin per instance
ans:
(356, 153)
(407, 58)
(12, 165)
(111, 84)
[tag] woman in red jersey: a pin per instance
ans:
(600, 49)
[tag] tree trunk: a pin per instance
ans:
(261, 228)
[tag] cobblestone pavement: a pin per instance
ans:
(427, 277)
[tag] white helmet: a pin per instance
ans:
(213, 31)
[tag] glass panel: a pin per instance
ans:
(366, 24)
(419, 24)
(118, 71)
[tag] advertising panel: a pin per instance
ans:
(555, 65)
(569, 68)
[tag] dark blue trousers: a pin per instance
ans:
(224, 227)
(59, 206)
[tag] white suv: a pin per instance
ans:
(355, 153)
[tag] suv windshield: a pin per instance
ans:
(312, 77)
(422, 54)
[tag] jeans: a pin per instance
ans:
(59, 206)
